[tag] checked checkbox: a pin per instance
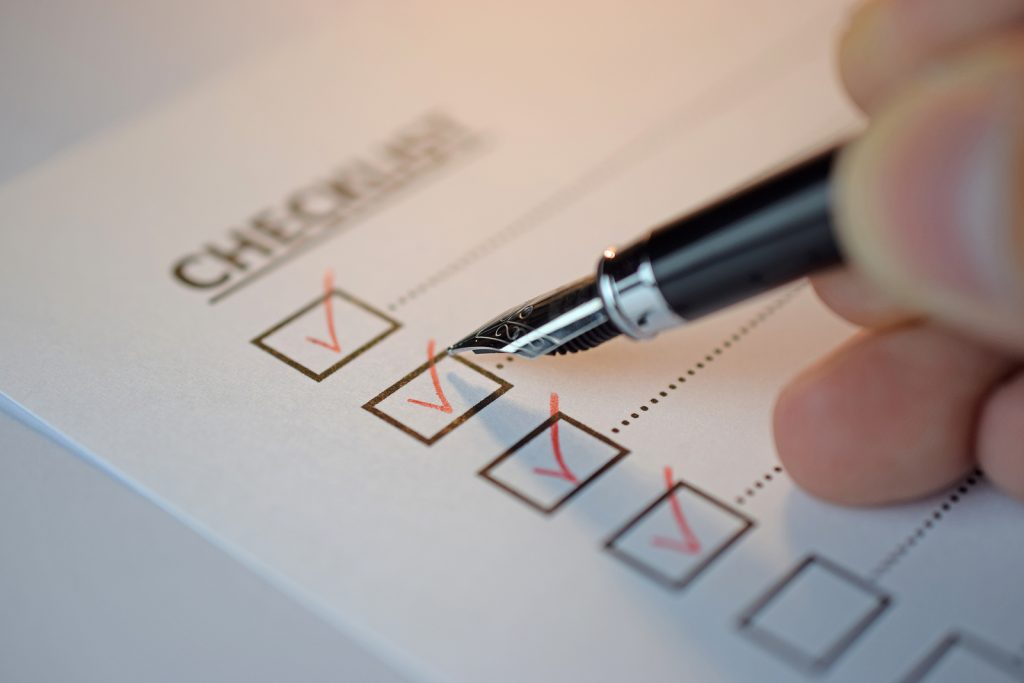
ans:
(327, 333)
(553, 462)
(679, 535)
(437, 397)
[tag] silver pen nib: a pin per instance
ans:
(569, 319)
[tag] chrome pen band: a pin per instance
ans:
(630, 294)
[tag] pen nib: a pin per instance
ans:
(567, 320)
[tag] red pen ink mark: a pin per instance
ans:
(689, 542)
(329, 312)
(444, 406)
(563, 472)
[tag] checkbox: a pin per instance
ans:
(554, 462)
(814, 614)
(437, 397)
(675, 538)
(961, 657)
(325, 334)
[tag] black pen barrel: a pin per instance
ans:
(776, 231)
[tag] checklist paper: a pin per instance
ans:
(238, 304)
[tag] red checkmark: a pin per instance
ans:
(329, 313)
(563, 472)
(444, 406)
(688, 543)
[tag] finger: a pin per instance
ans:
(930, 201)
(889, 42)
(889, 417)
(854, 298)
(1001, 437)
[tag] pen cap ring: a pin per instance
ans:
(630, 293)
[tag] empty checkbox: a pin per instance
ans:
(814, 614)
(960, 657)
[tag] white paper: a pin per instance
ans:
(99, 585)
(237, 304)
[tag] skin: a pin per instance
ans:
(930, 212)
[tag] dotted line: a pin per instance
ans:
(759, 484)
(466, 259)
(934, 518)
(725, 93)
(614, 164)
(726, 344)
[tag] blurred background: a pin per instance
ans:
(71, 69)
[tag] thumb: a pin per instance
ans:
(930, 201)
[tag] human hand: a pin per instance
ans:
(930, 211)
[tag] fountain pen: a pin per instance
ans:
(771, 232)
